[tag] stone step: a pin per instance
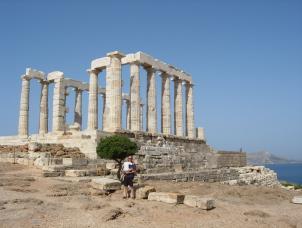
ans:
(143, 192)
(106, 184)
(200, 202)
(52, 174)
(166, 197)
(297, 199)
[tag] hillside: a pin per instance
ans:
(264, 157)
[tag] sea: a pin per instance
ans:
(287, 172)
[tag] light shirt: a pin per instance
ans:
(128, 165)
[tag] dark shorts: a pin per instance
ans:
(128, 180)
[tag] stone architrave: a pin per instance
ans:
(43, 124)
(93, 100)
(165, 106)
(151, 116)
(24, 107)
(78, 107)
(113, 108)
(134, 97)
(190, 128)
(178, 129)
(59, 108)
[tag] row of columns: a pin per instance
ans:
(59, 107)
(112, 114)
(112, 102)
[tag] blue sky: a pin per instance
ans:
(245, 58)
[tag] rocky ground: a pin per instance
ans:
(29, 200)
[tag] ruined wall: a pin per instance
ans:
(159, 153)
(231, 159)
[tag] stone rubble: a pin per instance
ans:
(200, 202)
(166, 197)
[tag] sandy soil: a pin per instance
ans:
(29, 200)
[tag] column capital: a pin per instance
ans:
(93, 71)
(164, 74)
(76, 89)
(188, 84)
(25, 77)
(116, 54)
(150, 68)
(44, 82)
(135, 63)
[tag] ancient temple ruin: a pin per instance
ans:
(185, 146)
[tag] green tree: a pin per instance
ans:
(117, 148)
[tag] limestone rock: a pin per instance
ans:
(297, 199)
(34, 147)
(200, 202)
(142, 193)
(75, 173)
(110, 165)
(166, 197)
(105, 184)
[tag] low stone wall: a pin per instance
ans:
(252, 175)
(54, 150)
(206, 175)
(11, 148)
(231, 159)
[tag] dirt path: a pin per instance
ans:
(29, 200)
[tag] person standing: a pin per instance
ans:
(129, 171)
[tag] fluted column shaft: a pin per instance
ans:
(178, 129)
(190, 111)
(103, 111)
(128, 115)
(78, 107)
(113, 109)
(24, 107)
(141, 122)
(151, 101)
(93, 100)
(134, 97)
(58, 116)
(43, 124)
(165, 106)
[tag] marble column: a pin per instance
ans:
(78, 107)
(24, 107)
(93, 100)
(113, 109)
(190, 126)
(165, 105)
(58, 116)
(178, 129)
(103, 111)
(43, 124)
(141, 122)
(128, 114)
(134, 97)
(151, 116)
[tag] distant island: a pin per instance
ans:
(264, 157)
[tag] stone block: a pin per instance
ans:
(200, 202)
(75, 161)
(52, 174)
(75, 173)
(297, 199)
(166, 197)
(110, 165)
(105, 184)
(143, 192)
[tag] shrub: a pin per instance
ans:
(117, 148)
